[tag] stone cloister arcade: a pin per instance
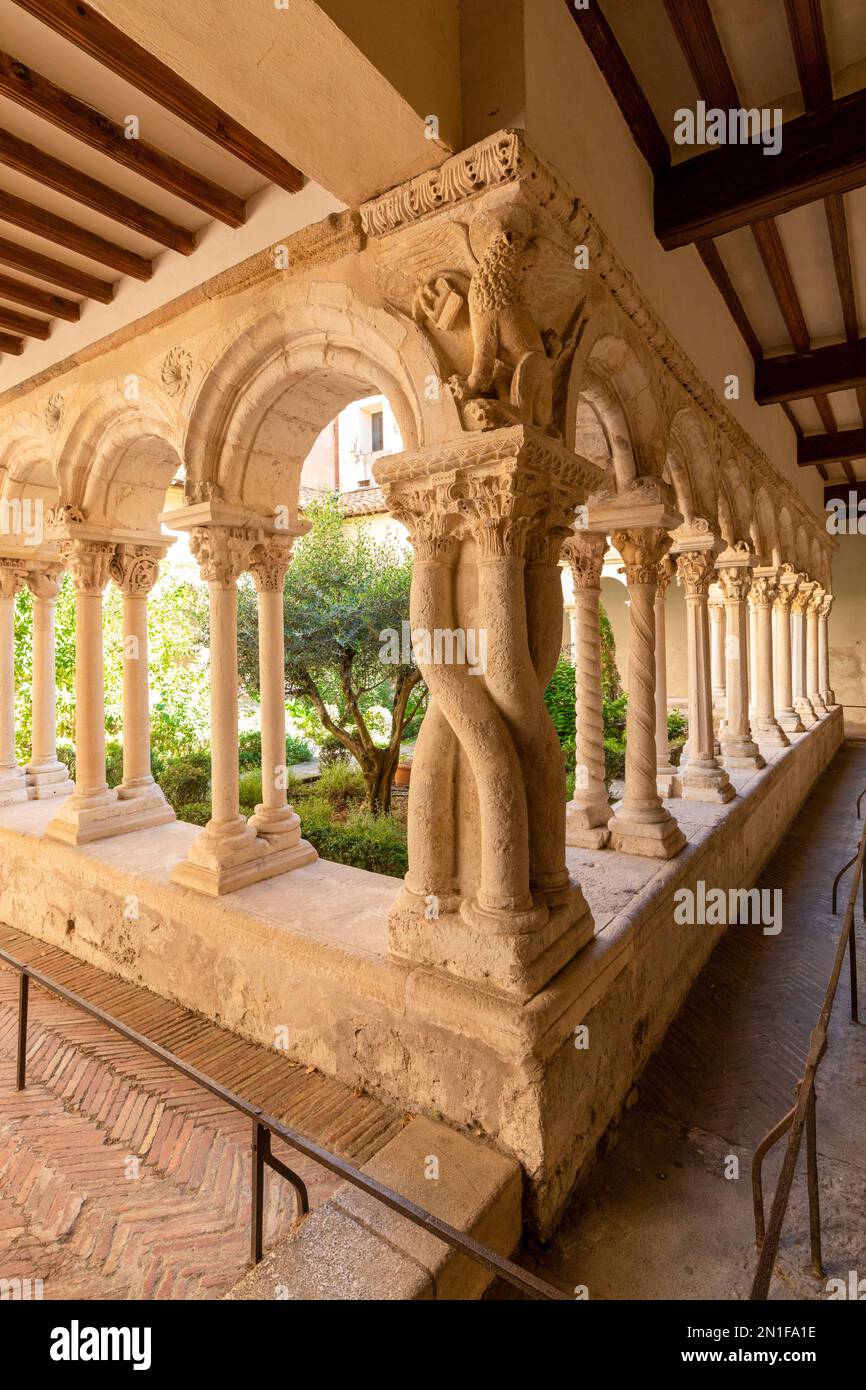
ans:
(546, 416)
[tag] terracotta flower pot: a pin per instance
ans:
(402, 775)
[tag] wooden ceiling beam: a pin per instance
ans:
(83, 26)
(15, 346)
(55, 272)
(24, 324)
(712, 260)
(823, 152)
(20, 292)
(36, 94)
(53, 228)
(809, 42)
(627, 91)
(53, 173)
(837, 447)
(793, 376)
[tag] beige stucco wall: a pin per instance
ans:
(848, 627)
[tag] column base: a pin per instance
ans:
(651, 834)
(514, 952)
(741, 753)
(84, 819)
(13, 786)
(586, 825)
(818, 705)
(806, 713)
(829, 698)
(769, 734)
(706, 782)
(279, 827)
(790, 721)
(667, 778)
(229, 855)
(49, 779)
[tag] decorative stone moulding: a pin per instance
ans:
(416, 232)
(488, 895)
(176, 371)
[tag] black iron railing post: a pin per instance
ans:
(812, 1184)
(258, 1193)
(23, 998)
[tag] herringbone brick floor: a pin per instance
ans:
(119, 1178)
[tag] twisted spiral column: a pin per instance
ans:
(641, 824)
(588, 812)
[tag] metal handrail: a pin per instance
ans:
(265, 1125)
(802, 1116)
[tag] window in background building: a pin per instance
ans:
(377, 431)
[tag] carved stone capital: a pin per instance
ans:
(269, 563)
(222, 552)
(666, 572)
(89, 563)
(803, 597)
(45, 584)
(584, 553)
(135, 569)
(11, 578)
(764, 590)
(826, 605)
(696, 571)
(641, 549)
(736, 583)
(816, 603)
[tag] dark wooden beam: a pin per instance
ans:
(54, 304)
(627, 91)
(692, 22)
(55, 272)
(831, 448)
(837, 227)
(24, 324)
(791, 377)
(713, 261)
(809, 42)
(15, 346)
(772, 253)
(110, 46)
(53, 173)
(25, 87)
(823, 152)
(53, 228)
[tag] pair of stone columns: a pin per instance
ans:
(232, 852)
(95, 810)
(44, 775)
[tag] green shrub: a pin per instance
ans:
(66, 754)
(569, 754)
(315, 812)
(113, 762)
(250, 786)
(250, 749)
(678, 725)
(297, 750)
(614, 716)
(331, 751)
(376, 843)
(187, 781)
(342, 784)
(569, 785)
(614, 761)
(194, 812)
(559, 698)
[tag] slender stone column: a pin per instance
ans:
(813, 694)
(274, 819)
(227, 854)
(765, 727)
(47, 776)
(641, 824)
(753, 658)
(13, 782)
(717, 647)
(802, 703)
(665, 770)
(735, 575)
(703, 779)
(135, 570)
(786, 715)
(588, 812)
(827, 693)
